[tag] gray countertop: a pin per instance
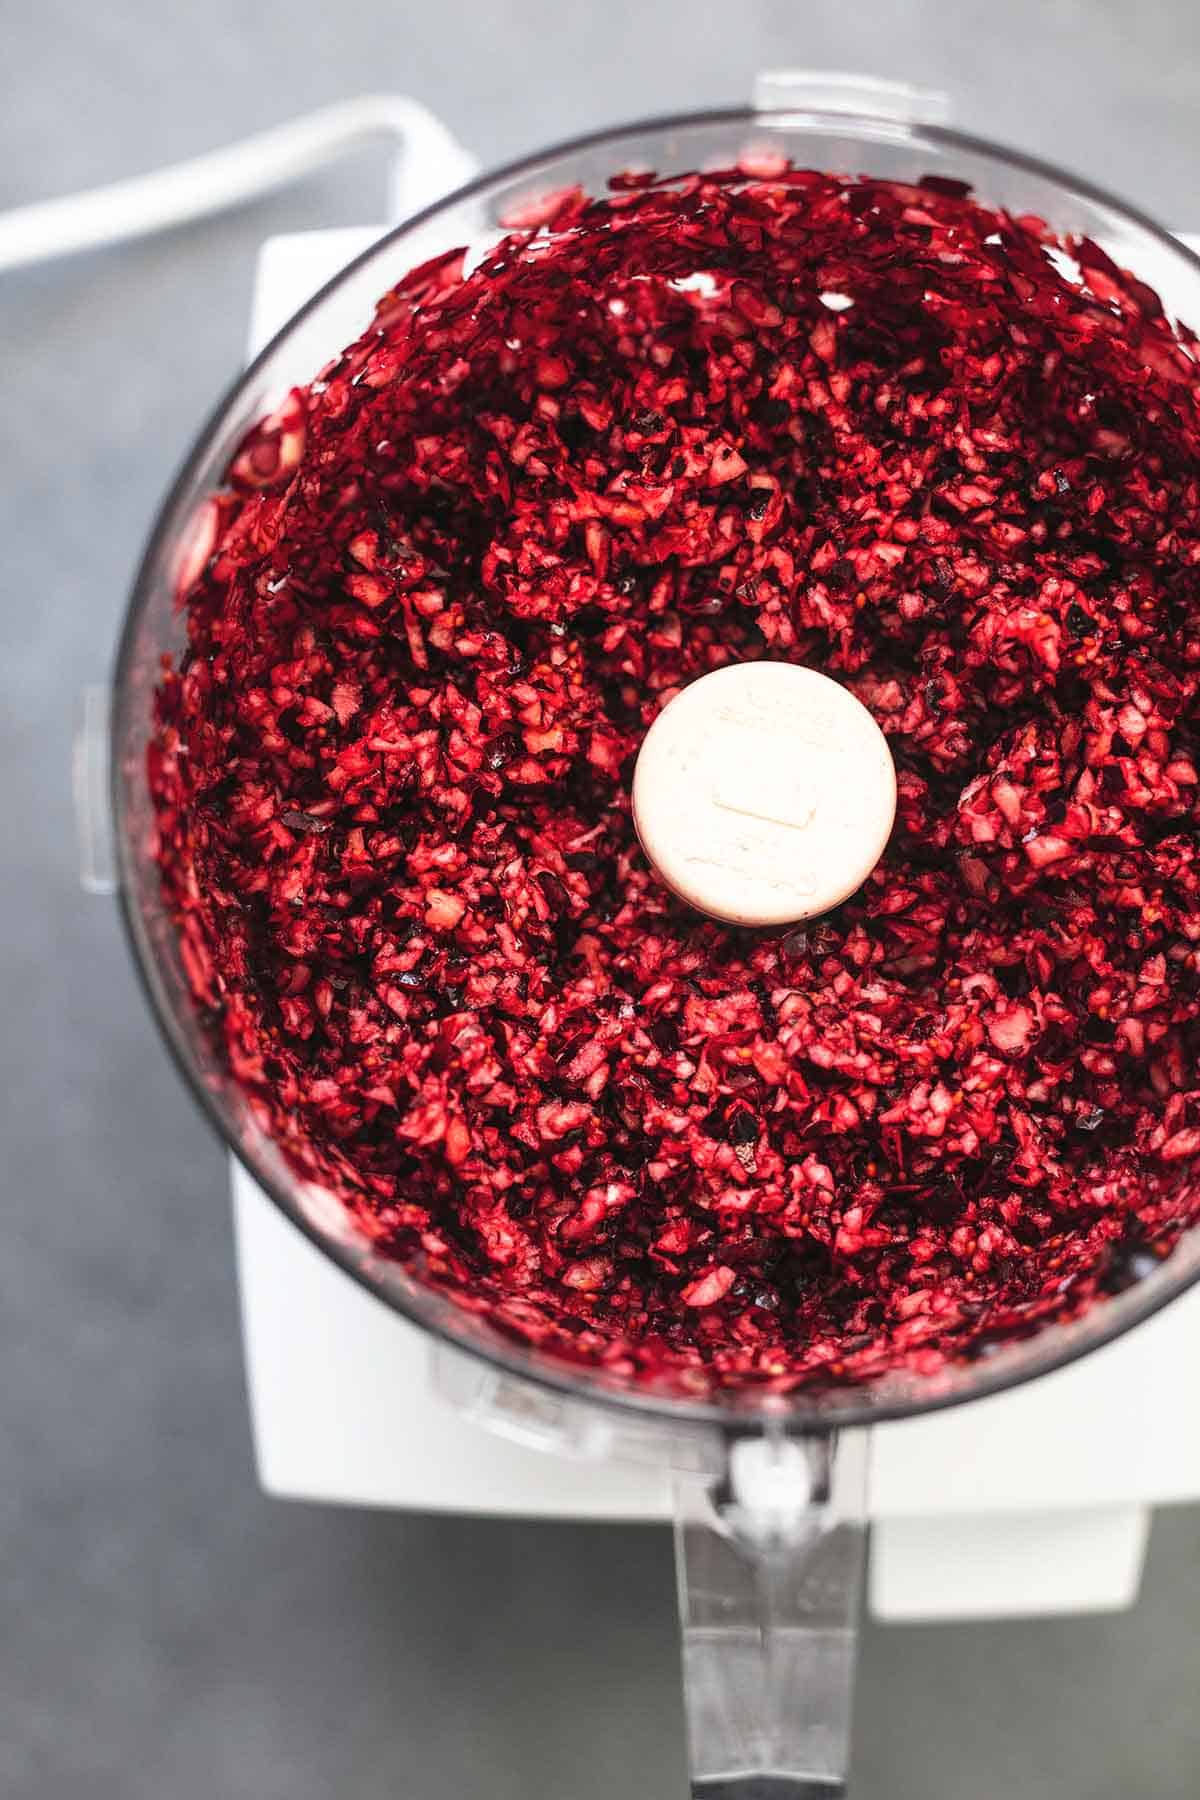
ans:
(167, 1630)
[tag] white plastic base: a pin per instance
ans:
(995, 1565)
(1032, 1502)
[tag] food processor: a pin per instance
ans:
(771, 1505)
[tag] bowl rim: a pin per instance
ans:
(805, 1411)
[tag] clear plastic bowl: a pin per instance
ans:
(878, 145)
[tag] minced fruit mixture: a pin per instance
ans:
(881, 430)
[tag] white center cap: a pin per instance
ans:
(764, 793)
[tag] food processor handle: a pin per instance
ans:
(769, 1536)
(770, 1571)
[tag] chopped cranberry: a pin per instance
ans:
(442, 593)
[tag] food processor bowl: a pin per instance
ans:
(770, 1570)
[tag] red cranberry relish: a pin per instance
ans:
(877, 429)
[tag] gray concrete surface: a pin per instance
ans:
(166, 1632)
